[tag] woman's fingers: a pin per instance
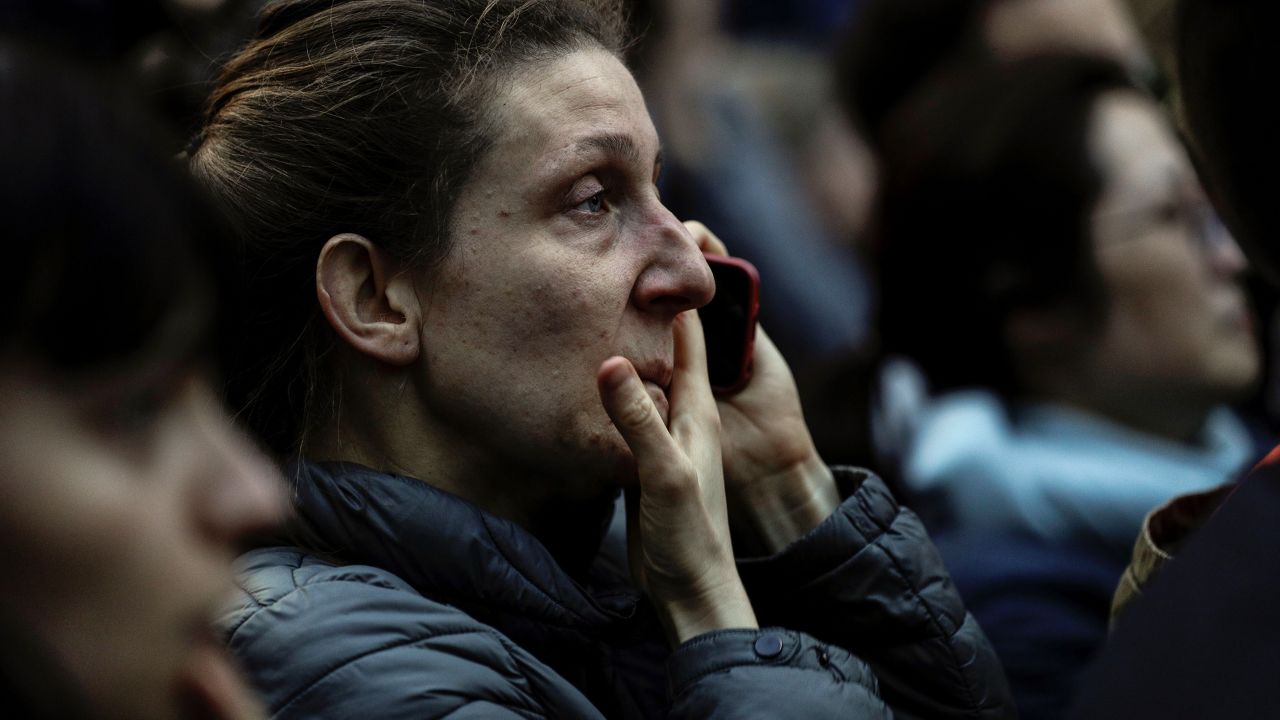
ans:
(678, 534)
(689, 384)
(633, 411)
(695, 418)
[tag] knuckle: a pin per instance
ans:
(709, 419)
(699, 422)
(677, 482)
(635, 412)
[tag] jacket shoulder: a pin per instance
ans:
(339, 641)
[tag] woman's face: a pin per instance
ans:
(1177, 318)
(563, 255)
(121, 499)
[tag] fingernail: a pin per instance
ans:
(616, 376)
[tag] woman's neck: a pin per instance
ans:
(1172, 416)
(570, 525)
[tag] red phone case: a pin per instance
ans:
(748, 289)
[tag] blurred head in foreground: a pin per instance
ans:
(124, 489)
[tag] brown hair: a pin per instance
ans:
(363, 116)
(987, 191)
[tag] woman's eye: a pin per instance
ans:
(593, 204)
(137, 408)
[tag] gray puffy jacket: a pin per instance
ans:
(424, 606)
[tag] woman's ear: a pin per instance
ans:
(369, 303)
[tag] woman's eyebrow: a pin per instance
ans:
(615, 146)
(612, 144)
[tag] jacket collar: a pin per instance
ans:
(449, 549)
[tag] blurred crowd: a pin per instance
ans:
(1017, 256)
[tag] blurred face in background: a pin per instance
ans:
(1177, 322)
(122, 496)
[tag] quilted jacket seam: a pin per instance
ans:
(296, 696)
(934, 621)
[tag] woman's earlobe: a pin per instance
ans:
(367, 300)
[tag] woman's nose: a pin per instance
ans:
(678, 277)
(1225, 256)
(243, 493)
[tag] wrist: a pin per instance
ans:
(727, 609)
(775, 511)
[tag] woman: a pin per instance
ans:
(1211, 594)
(467, 317)
(1081, 318)
(124, 489)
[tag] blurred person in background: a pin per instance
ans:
(1050, 260)
(468, 322)
(894, 48)
(1157, 21)
(862, 404)
(1198, 637)
(124, 489)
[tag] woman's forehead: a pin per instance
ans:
(1135, 149)
(568, 104)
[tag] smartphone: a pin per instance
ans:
(729, 323)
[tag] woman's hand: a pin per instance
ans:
(778, 487)
(677, 529)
